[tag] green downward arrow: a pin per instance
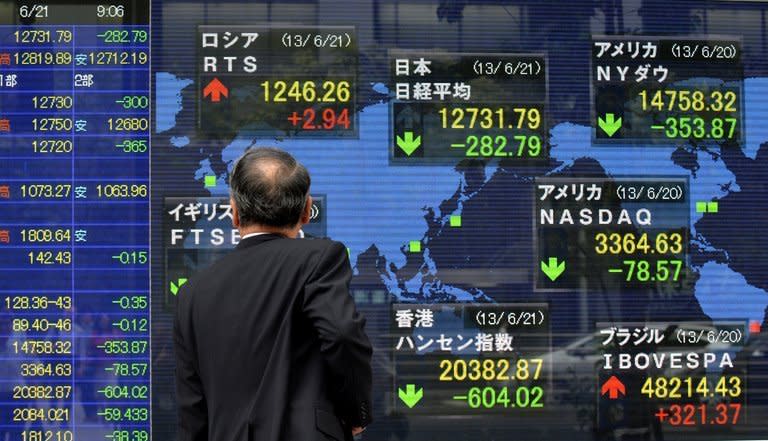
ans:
(610, 124)
(410, 395)
(553, 269)
(176, 285)
(408, 143)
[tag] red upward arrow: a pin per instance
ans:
(613, 387)
(215, 89)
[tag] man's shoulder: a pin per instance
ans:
(294, 250)
(309, 245)
(305, 252)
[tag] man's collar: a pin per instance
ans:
(259, 233)
(254, 239)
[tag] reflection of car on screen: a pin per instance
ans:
(755, 354)
(576, 367)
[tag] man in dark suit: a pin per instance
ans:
(269, 345)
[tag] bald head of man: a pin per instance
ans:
(269, 192)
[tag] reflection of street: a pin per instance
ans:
(609, 402)
(574, 409)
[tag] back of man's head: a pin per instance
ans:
(269, 187)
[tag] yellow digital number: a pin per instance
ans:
(488, 369)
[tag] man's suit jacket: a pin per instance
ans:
(269, 346)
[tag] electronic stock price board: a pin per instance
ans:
(75, 220)
(555, 211)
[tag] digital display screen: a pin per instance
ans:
(555, 212)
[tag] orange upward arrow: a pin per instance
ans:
(215, 89)
(613, 387)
